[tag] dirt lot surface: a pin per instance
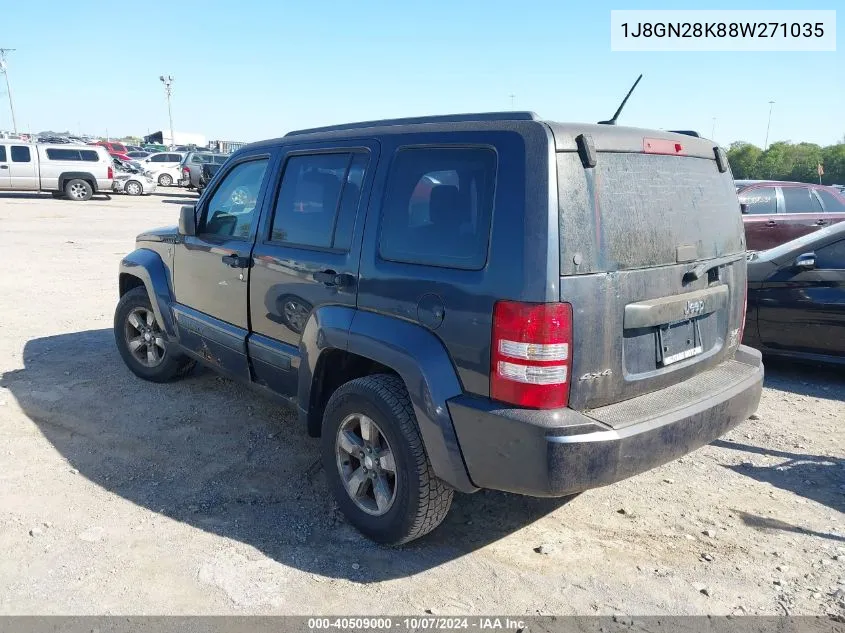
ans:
(122, 497)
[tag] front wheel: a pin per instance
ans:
(142, 343)
(133, 188)
(376, 464)
(165, 180)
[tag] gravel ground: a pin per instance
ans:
(122, 497)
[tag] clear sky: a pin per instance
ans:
(246, 70)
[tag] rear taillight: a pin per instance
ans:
(110, 174)
(530, 356)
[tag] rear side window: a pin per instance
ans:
(800, 200)
(761, 201)
(159, 158)
(2, 153)
(20, 154)
(438, 207)
(219, 160)
(316, 192)
(832, 204)
(86, 155)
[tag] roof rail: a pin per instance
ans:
(444, 118)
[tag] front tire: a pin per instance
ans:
(376, 464)
(133, 188)
(142, 343)
(165, 180)
(78, 190)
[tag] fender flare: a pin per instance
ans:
(148, 266)
(82, 175)
(415, 354)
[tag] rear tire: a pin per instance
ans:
(141, 342)
(165, 180)
(393, 462)
(78, 190)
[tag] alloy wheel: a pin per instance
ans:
(366, 464)
(144, 338)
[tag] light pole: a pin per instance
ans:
(768, 125)
(168, 82)
(513, 98)
(4, 68)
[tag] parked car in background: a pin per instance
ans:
(165, 176)
(134, 148)
(192, 167)
(796, 297)
(133, 180)
(73, 171)
(112, 146)
(154, 147)
(457, 348)
(136, 155)
(775, 212)
(207, 172)
(160, 160)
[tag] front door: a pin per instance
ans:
(802, 211)
(804, 310)
(212, 268)
(307, 253)
(23, 172)
(5, 180)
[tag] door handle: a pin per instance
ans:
(821, 222)
(771, 223)
(4, 167)
(236, 261)
(331, 278)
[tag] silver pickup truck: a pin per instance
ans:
(75, 172)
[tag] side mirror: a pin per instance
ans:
(188, 220)
(743, 207)
(806, 261)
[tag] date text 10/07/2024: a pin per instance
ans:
(416, 624)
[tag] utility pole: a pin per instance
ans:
(512, 96)
(768, 125)
(4, 68)
(168, 82)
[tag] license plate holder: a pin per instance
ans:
(678, 341)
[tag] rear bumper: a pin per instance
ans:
(558, 453)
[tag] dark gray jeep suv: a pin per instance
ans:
(461, 302)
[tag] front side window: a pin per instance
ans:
(231, 212)
(760, 201)
(2, 153)
(438, 207)
(159, 158)
(318, 200)
(20, 154)
(831, 257)
(800, 200)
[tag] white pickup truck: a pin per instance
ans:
(75, 172)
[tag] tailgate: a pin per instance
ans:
(652, 261)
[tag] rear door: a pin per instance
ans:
(760, 217)
(308, 251)
(5, 173)
(653, 263)
(802, 213)
(23, 168)
(804, 310)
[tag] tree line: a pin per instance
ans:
(788, 161)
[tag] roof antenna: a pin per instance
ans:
(621, 105)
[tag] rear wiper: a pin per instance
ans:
(621, 105)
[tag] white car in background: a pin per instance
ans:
(160, 161)
(165, 176)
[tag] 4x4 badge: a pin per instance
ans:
(592, 375)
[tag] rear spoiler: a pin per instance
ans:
(686, 133)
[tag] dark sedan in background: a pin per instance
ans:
(796, 297)
(775, 212)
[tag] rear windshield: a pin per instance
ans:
(635, 210)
